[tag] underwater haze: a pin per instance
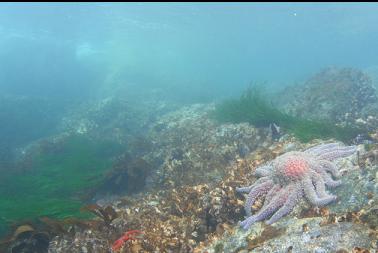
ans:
(101, 103)
(65, 50)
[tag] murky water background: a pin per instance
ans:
(84, 86)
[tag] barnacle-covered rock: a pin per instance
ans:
(326, 229)
(80, 242)
(191, 204)
(191, 148)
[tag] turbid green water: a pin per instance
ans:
(56, 182)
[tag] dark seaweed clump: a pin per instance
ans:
(253, 107)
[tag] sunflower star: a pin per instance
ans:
(292, 176)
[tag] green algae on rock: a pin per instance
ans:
(53, 183)
(254, 108)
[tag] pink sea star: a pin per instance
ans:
(292, 176)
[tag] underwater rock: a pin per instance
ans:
(192, 148)
(26, 239)
(176, 211)
(203, 217)
(116, 117)
(127, 175)
(86, 241)
(327, 229)
(190, 204)
(320, 97)
(328, 238)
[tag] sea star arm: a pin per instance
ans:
(337, 153)
(263, 171)
(319, 185)
(244, 189)
(290, 203)
(311, 195)
(330, 167)
(257, 191)
(271, 193)
(266, 210)
(329, 181)
(249, 188)
(320, 148)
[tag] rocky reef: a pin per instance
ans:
(342, 226)
(174, 186)
(192, 148)
(344, 95)
(116, 118)
(185, 216)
